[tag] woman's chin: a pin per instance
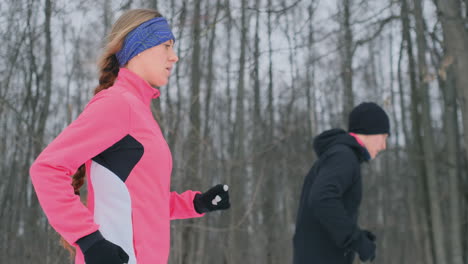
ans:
(159, 83)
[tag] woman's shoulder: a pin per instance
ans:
(110, 96)
(108, 100)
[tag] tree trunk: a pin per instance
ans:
(347, 62)
(107, 17)
(446, 80)
(227, 133)
(269, 205)
(154, 4)
(270, 105)
(455, 196)
(428, 141)
(174, 133)
(415, 138)
(193, 144)
(237, 236)
(195, 124)
(456, 40)
(210, 75)
(310, 77)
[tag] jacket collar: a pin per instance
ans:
(137, 86)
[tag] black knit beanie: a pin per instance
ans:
(368, 119)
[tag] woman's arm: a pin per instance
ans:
(104, 121)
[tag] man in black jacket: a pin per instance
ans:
(327, 231)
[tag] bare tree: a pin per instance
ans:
(347, 59)
(415, 142)
(455, 41)
(428, 140)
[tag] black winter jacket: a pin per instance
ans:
(326, 228)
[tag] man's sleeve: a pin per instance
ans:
(333, 179)
(103, 122)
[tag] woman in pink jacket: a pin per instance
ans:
(119, 146)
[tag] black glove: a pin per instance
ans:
(370, 235)
(365, 246)
(216, 198)
(97, 250)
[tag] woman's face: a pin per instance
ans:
(155, 64)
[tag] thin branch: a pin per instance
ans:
(278, 11)
(382, 24)
(376, 14)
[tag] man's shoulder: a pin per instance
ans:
(340, 150)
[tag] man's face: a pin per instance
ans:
(376, 143)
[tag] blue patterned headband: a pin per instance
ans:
(147, 35)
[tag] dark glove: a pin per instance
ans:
(97, 250)
(364, 246)
(370, 235)
(216, 198)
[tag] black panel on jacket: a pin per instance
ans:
(121, 157)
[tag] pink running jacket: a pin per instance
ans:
(128, 165)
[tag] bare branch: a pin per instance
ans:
(381, 26)
(278, 11)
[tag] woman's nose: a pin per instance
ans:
(173, 57)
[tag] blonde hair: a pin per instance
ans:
(108, 69)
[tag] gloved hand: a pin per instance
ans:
(365, 246)
(216, 198)
(105, 251)
(97, 250)
(370, 235)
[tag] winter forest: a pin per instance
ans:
(257, 80)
